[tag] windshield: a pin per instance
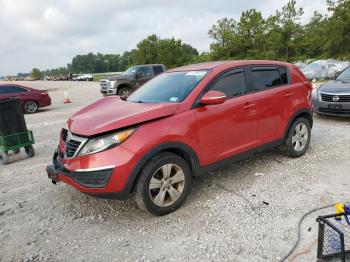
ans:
(131, 71)
(345, 75)
(170, 87)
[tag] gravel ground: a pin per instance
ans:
(247, 211)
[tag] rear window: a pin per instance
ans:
(268, 77)
(157, 70)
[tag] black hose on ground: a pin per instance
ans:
(299, 229)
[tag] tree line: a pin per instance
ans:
(281, 36)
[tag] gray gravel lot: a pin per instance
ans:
(247, 211)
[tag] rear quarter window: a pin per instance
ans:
(157, 70)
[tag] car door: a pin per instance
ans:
(274, 101)
(229, 128)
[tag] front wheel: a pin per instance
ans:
(298, 138)
(124, 92)
(164, 184)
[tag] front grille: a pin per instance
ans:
(104, 84)
(329, 98)
(72, 147)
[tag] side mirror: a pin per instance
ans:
(213, 98)
(138, 75)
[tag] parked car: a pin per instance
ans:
(85, 77)
(322, 69)
(30, 99)
(130, 80)
(333, 97)
(180, 124)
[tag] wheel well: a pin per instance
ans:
(304, 114)
(191, 161)
(123, 85)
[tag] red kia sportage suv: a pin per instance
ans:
(181, 124)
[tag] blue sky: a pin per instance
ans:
(48, 33)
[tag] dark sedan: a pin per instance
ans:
(30, 99)
(333, 97)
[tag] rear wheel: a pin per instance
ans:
(4, 158)
(29, 151)
(30, 107)
(164, 184)
(298, 138)
(124, 92)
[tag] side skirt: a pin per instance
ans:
(240, 157)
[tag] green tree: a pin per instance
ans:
(36, 73)
(289, 22)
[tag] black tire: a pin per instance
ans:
(124, 92)
(29, 151)
(143, 193)
(4, 158)
(30, 107)
(290, 147)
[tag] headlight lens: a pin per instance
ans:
(105, 142)
(112, 83)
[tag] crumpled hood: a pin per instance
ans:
(112, 113)
(336, 87)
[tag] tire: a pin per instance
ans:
(165, 196)
(30, 107)
(124, 92)
(4, 158)
(29, 151)
(298, 138)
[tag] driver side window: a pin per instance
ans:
(231, 84)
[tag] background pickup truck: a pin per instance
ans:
(130, 80)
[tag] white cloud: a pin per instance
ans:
(47, 34)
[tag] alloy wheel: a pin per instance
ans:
(300, 137)
(167, 185)
(30, 107)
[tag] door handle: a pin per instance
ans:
(288, 94)
(247, 106)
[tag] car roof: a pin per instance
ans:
(148, 65)
(226, 64)
(25, 87)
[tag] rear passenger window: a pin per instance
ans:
(231, 85)
(283, 75)
(267, 77)
(157, 70)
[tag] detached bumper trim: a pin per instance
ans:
(88, 178)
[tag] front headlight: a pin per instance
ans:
(105, 142)
(112, 83)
